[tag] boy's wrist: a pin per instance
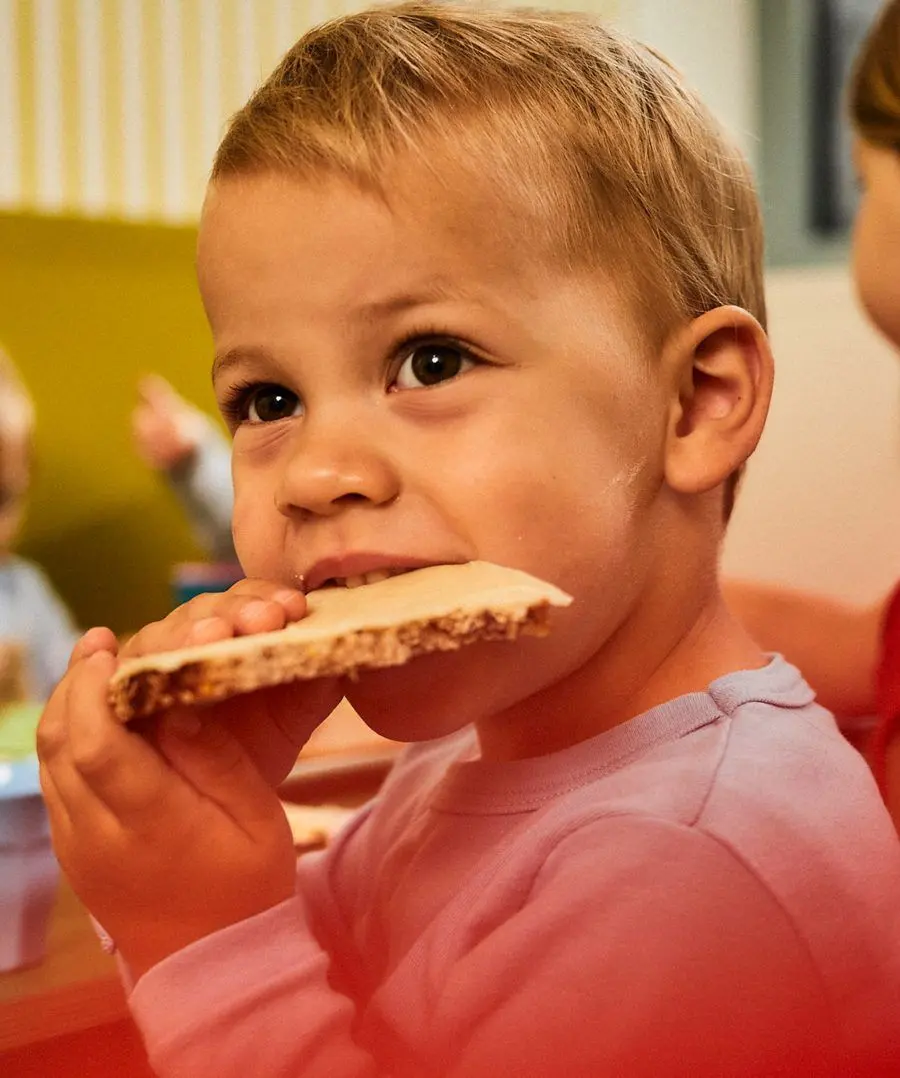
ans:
(142, 950)
(141, 943)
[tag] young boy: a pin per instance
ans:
(486, 284)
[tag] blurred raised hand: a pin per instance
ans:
(167, 429)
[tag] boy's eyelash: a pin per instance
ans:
(236, 400)
(431, 335)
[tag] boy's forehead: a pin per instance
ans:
(450, 235)
(272, 245)
(417, 235)
(410, 202)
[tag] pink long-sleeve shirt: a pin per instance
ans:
(712, 888)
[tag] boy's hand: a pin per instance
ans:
(273, 724)
(166, 836)
(170, 829)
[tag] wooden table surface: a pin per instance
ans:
(74, 988)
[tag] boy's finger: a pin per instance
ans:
(242, 613)
(177, 632)
(116, 765)
(244, 616)
(274, 723)
(140, 643)
(218, 616)
(65, 794)
(214, 762)
(97, 639)
(292, 599)
(166, 636)
(291, 602)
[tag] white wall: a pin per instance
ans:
(715, 43)
(820, 506)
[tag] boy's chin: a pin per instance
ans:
(435, 695)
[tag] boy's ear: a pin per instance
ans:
(722, 372)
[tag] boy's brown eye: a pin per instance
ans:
(430, 364)
(269, 403)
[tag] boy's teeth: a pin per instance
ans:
(375, 577)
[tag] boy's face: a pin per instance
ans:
(412, 384)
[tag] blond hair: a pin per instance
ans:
(875, 83)
(592, 137)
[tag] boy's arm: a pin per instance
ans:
(637, 949)
(835, 645)
(252, 1000)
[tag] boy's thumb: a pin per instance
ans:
(216, 764)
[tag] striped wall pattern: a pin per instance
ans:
(113, 108)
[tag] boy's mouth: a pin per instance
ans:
(373, 577)
(354, 570)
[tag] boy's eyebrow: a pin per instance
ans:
(232, 356)
(436, 291)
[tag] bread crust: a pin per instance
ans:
(512, 604)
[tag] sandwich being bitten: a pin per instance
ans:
(439, 608)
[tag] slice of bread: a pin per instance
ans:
(440, 608)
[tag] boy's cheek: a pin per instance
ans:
(257, 542)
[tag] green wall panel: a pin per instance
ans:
(85, 309)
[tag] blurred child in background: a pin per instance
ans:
(34, 621)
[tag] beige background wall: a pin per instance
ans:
(715, 43)
(820, 507)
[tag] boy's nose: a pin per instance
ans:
(324, 475)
